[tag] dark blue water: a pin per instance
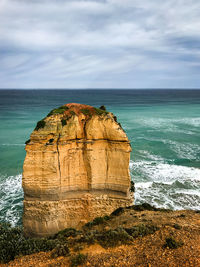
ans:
(162, 125)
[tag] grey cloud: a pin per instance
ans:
(116, 43)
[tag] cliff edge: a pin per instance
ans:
(76, 168)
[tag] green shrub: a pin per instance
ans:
(72, 112)
(59, 110)
(60, 250)
(118, 211)
(66, 233)
(144, 206)
(141, 230)
(100, 111)
(112, 238)
(172, 243)
(13, 243)
(102, 107)
(40, 124)
(97, 221)
(86, 112)
(78, 259)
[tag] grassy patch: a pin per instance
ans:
(171, 243)
(59, 110)
(40, 124)
(78, 259)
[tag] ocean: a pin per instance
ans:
(162, 125)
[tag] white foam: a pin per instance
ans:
(163, 172)
(147, 154)
(156, 183)
(11, 198)
(186, 150)
(143, 185)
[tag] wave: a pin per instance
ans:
(11, 194)
(186, 150)
(158, 183)
(182, 150)
(166, 185)
(147, 154)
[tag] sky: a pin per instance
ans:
(99, 44)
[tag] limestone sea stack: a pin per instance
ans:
(76, 168)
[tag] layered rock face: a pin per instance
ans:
(76, 168)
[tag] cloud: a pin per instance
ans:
(113, 43)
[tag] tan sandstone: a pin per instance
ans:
(76, 168)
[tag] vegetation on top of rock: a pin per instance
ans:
(102, 107)
(40, 124)
(100, 111)
(59, 110)
(86, 111)
(72, 112)
(172, 243)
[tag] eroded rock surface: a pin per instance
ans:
(76, 168)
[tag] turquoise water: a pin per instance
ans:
(162, 125)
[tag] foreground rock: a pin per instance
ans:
(76, 168)
(146, 245)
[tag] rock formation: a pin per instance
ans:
(76, 168)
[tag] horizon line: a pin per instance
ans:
(100, 88)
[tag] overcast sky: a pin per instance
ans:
(99, 44)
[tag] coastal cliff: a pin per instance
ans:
(76, 168)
